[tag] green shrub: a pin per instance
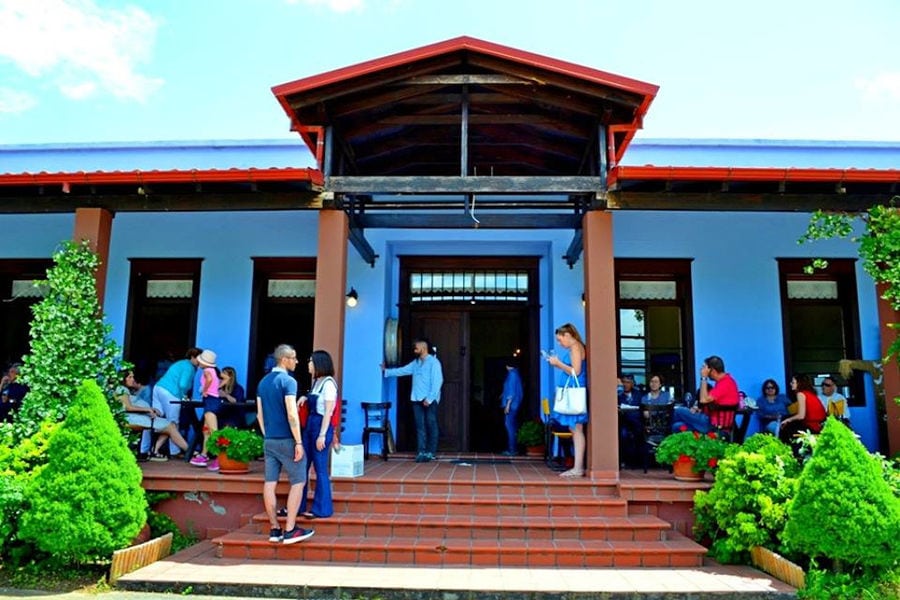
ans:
(747, 505)
(69, 341)
(845, 515)
(19, 464)
(825, 585)
(87, 502)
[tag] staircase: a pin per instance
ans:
(483, 514)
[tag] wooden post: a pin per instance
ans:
(887, 315)
(331, 286)
(95, 226)
(600, 337)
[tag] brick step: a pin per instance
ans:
(427, 487)
(632, 529)
(678, 551)
(481, 505)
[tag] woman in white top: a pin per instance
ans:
(318, 433)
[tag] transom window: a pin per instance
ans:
(461, 286)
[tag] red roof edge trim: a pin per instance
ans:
(465, 43)
(754, 174)
(174, 176)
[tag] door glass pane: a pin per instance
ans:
(664, 347)
(633, 343)
(817, 338)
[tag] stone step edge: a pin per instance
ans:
(677, 544)
(493, 499)
(642, 522)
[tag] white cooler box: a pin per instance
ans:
(348, 461)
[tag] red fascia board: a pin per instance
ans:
(622, 173)
(647, 90)
(174, 176)
(465, 43)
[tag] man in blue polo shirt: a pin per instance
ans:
(427, 379)
(276, 410)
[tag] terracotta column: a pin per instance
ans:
(331, 286)
(887, 315)
(600, 319)
(95, 226)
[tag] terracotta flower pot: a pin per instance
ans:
(535, 450)
(230, 466)
(683, 469)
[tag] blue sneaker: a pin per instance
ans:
(429, 456)
(276, 535)
(298, 535)
(421, 457)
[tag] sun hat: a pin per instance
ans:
(207, 358)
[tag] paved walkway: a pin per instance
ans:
(198, 570)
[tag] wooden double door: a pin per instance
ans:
(473, 340)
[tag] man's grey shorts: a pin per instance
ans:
(280, 453)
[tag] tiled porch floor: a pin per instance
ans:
(198, 569)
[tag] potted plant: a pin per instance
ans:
(531, 435)
(235, 448)
(691, 453)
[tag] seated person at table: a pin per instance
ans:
(835, 404)
(630, 425)
(771, 407)
(810, 412)
(139, 413)
(232, 394)
(656, 395)
(725, 393)
(630, 395)
(12, 391)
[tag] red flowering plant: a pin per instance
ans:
(241, 445)
(704, 449)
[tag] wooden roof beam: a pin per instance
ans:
(463, 185)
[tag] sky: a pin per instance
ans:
(93, 71)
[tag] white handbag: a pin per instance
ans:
(570, 399)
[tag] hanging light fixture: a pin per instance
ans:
(352, 297)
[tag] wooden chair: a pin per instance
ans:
(377, 422)
(138, 435)
(722, 419)
(657, 424)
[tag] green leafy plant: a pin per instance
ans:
(845, 515)
(87, 501)
(878, 244)
(242, 445)
(69, 341)
(747, 505)
(530, 434)
(704, 449)
(19, 464)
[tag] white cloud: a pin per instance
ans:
(80, 46)
(340, 6)
(883, 86)
(14, 101)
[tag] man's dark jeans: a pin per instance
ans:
(426, 427)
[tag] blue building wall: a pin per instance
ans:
(736, 302)
(734, 272)
(226, 242)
